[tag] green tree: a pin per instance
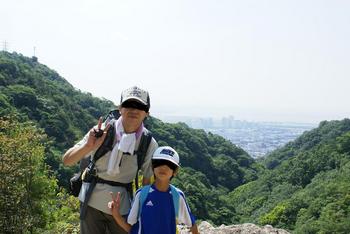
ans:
(25, 185)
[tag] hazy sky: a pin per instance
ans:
(256, 60)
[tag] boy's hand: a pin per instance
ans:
(114, 205)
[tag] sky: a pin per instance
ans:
(256, 60)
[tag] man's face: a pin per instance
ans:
(133, 113)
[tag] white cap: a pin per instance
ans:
(167, 153)
(137, 94)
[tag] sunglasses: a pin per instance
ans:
(161, 162)
(135, 105)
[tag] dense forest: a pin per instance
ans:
(302, 187)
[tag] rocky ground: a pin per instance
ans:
(247, 228)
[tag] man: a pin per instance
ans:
(118, 165)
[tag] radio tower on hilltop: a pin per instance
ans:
(34, 58)
(4, 45)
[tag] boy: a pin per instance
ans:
(157, 208)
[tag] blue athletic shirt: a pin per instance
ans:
(158, 213)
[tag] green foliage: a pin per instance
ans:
(29, 201)
(344, 143)
(41, 95)
(5, 106)
(231, 174)
(25, 184)
(326, 203)
(65, 218)
(31, 91)
(308, 190)
(206, 201)
(276, 216)
(335, 216)
(324, 134)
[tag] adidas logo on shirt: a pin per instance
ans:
(149, 203)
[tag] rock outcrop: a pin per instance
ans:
(247, 228)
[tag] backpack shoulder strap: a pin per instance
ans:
(143, 196)
(107, 144)
(113, 114)
(141, 151)
(176, 200)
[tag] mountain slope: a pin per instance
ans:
(307, 190)
(38, 93)
(33, 92)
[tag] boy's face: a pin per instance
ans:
(163, 169)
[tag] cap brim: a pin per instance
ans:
(167, 160)
(136, 99)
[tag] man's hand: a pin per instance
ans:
(95, 138)
(75, 154)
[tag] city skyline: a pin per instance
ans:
(256, 138)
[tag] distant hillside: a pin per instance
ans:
(324, 134)
(307, 187)
(38, 93)
(212, 166)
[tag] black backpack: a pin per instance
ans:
(107, 145)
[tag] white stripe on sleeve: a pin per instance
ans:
(133, 214)
(184, 212)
